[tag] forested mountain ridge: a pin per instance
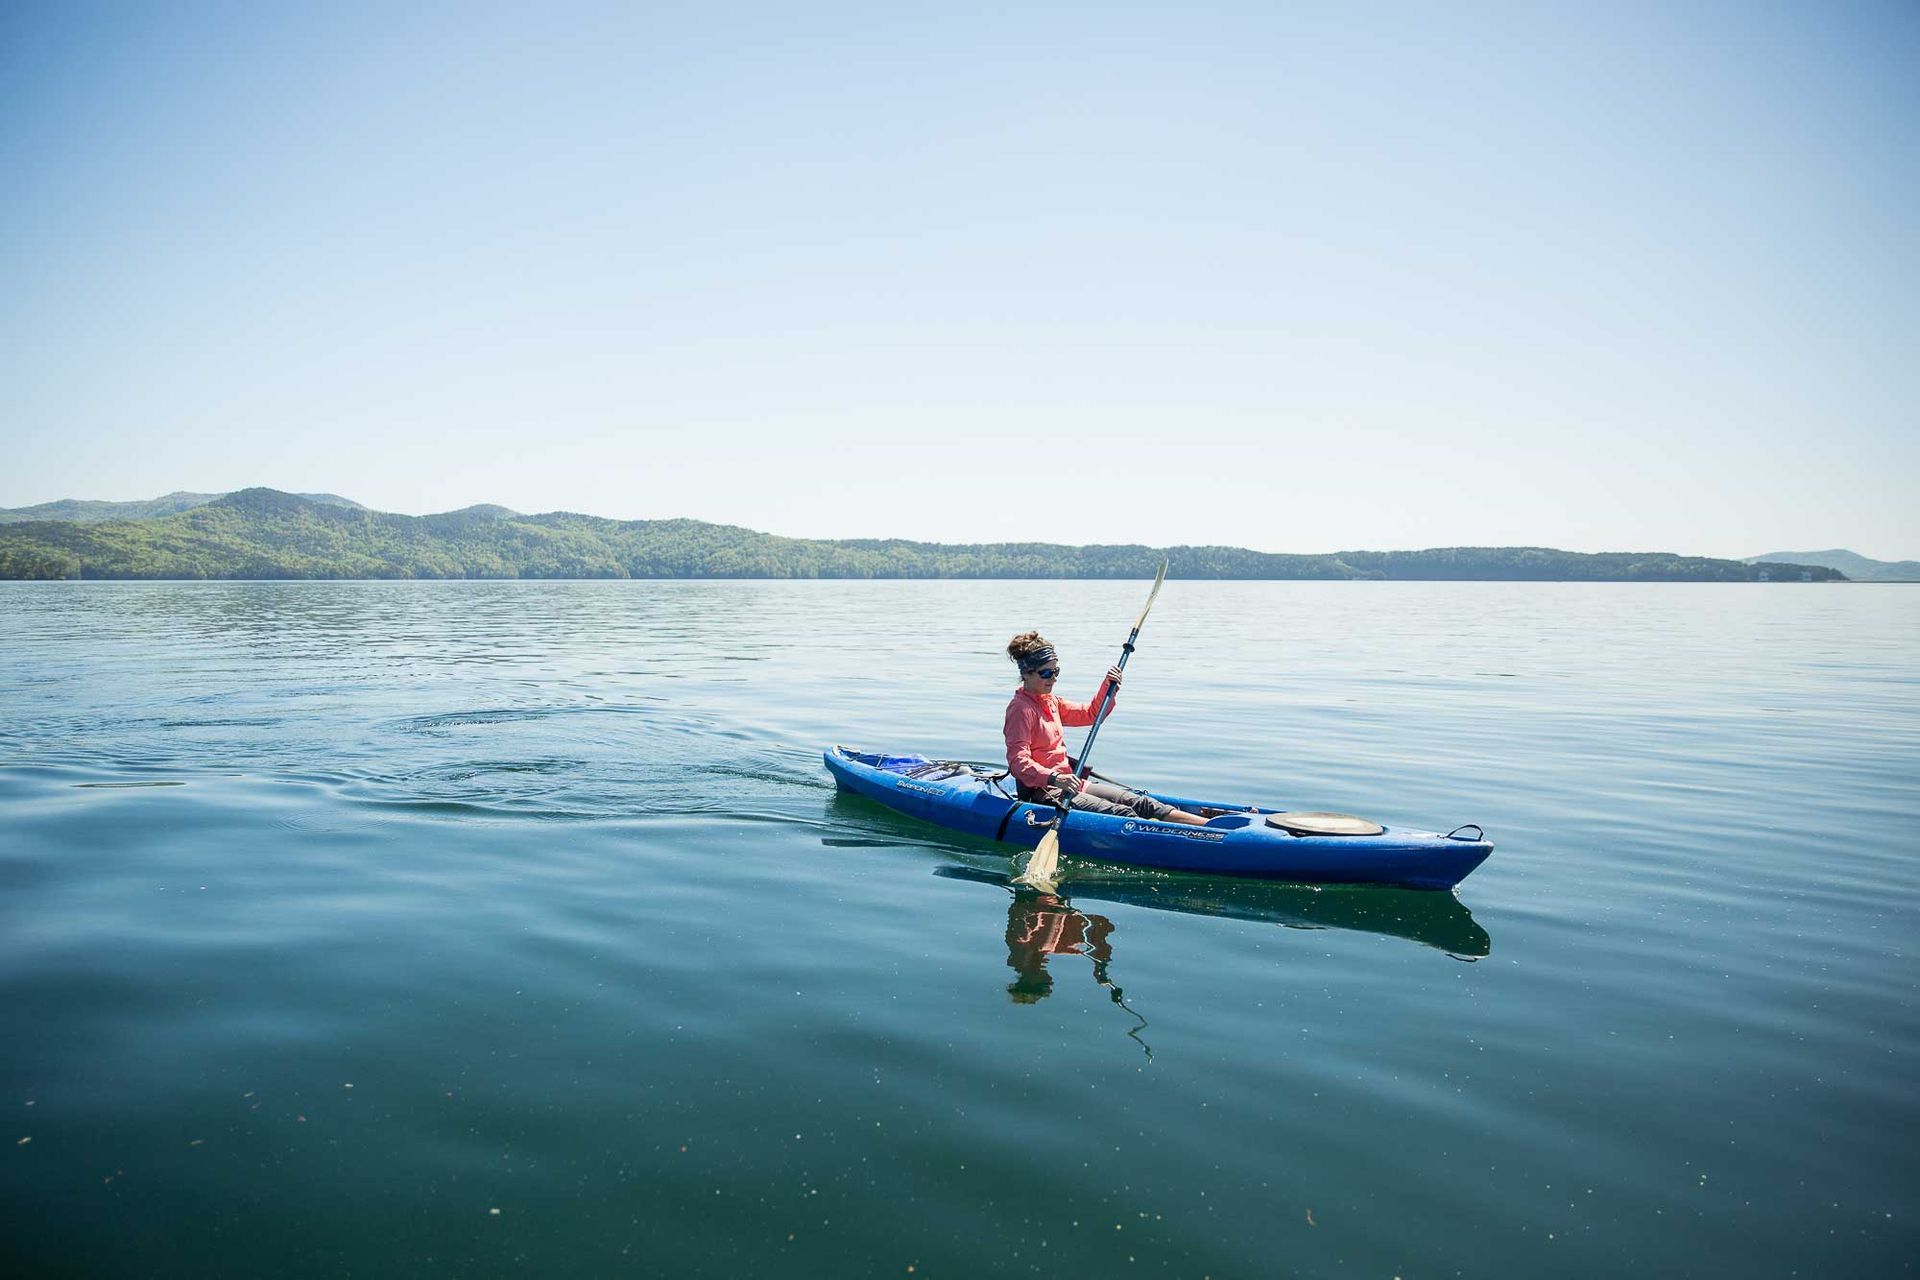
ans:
(1857, 567)
(164, 505)
(264, 533)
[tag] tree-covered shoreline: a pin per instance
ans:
(264, 533)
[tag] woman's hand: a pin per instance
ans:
(1067, 785)
(1113, 676)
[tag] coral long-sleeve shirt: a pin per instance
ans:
(1034, 745)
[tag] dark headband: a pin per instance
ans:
(1038, 658)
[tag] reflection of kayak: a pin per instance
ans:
(1265, 843)
(1439, 920)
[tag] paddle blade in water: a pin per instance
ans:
(1043, 866)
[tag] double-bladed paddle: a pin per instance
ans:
(1044, 866)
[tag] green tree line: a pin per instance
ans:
(263, 533)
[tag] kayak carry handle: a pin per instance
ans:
(1479, 832)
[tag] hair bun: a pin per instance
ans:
(1023, 644)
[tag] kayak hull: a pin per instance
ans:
(1238, 843)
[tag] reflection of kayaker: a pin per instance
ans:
(1041, 925)
(1037, 755)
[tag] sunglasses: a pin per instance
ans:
(1047, 673)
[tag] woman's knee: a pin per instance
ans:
(1148, 807)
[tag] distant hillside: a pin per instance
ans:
(166, 505)
(263, 533)
(1857, 567)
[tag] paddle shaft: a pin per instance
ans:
(1126, 651)
(1044, 864)
(1106, 705)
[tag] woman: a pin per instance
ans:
(1036, 754)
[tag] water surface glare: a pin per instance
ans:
(414, 928)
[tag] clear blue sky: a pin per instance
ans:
(1300, 278)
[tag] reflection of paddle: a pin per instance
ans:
(1044, 866)
(1119, 997)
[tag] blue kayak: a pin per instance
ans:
(1238, 840)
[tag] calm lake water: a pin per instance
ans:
(470, 928)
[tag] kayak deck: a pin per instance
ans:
(976, 800)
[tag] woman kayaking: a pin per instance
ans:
(1037, 755)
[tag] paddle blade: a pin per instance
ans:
(1152, 595)
(1043, 866)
